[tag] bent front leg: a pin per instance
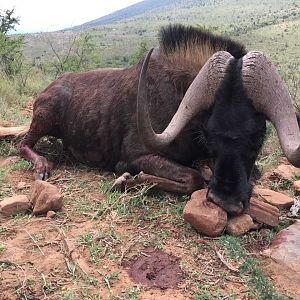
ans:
(164, 174)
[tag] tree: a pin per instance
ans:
(142, 50)
(8, 21)
(79, 54)
(11, 52)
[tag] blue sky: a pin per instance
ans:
(51, 15)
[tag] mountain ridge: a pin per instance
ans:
(127, 12)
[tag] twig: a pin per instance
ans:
(127, 249)
(34, 241)
(226, 263)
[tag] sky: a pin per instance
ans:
(51, 15)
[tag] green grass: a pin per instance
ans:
(2, 248)
(259, 285)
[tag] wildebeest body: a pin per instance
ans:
(94, 113)
(98, 124)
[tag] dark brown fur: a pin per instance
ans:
(94, 112)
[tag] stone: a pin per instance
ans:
(239, 225)
(21, 185)
(286, 172)
(283, 160)
(14, 205)
(51, 214)
(263, 212)
(284, 254)
(203, 215)
(45, 197)
(277, 199)
(297, 187)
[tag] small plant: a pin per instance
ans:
(69, 295)
(128, 294)
(110, 278)
(3, 229)
(2, 248)
(95, 249)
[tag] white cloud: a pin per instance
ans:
(37, 15)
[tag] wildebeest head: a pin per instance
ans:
(238, 96)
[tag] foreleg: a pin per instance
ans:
(163, 173)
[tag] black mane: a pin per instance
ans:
(178, 36)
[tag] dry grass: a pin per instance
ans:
(85, 251)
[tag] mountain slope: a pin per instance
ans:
(128, 12)
(271, 26)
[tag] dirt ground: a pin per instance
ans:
(87, 250)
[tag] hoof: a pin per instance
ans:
(41, 176)
(120, 182)
(42, 169)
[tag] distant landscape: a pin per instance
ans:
(272, 26)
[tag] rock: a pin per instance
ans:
(283, 160)
(205, 216)
(286, 172)
(14, 205)
(277, 199)
(45, 197)
(284, 248)
(8, 161)
(239, 225)
(51, 214)
(263, 212)
(297, 187)
(22, 185)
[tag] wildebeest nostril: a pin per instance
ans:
(212, 197)
(231, 207)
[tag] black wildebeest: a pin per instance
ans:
(212, 96)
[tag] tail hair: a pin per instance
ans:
(17, 131)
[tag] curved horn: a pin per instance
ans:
(270, 96)
(198, 97)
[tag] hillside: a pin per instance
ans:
(271, 26)
(128, 12)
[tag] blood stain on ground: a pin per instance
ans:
(156, 268)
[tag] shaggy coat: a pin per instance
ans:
(94, 113)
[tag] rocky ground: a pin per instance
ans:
(72, 238)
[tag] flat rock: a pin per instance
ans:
(45, 197)
(263, 212)
(14, 205)
(51, 214)
(22, 185)
(282, 160)
(239, 225)
(284, 265)
(203, 215)
(286, 172)
(277, 199)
